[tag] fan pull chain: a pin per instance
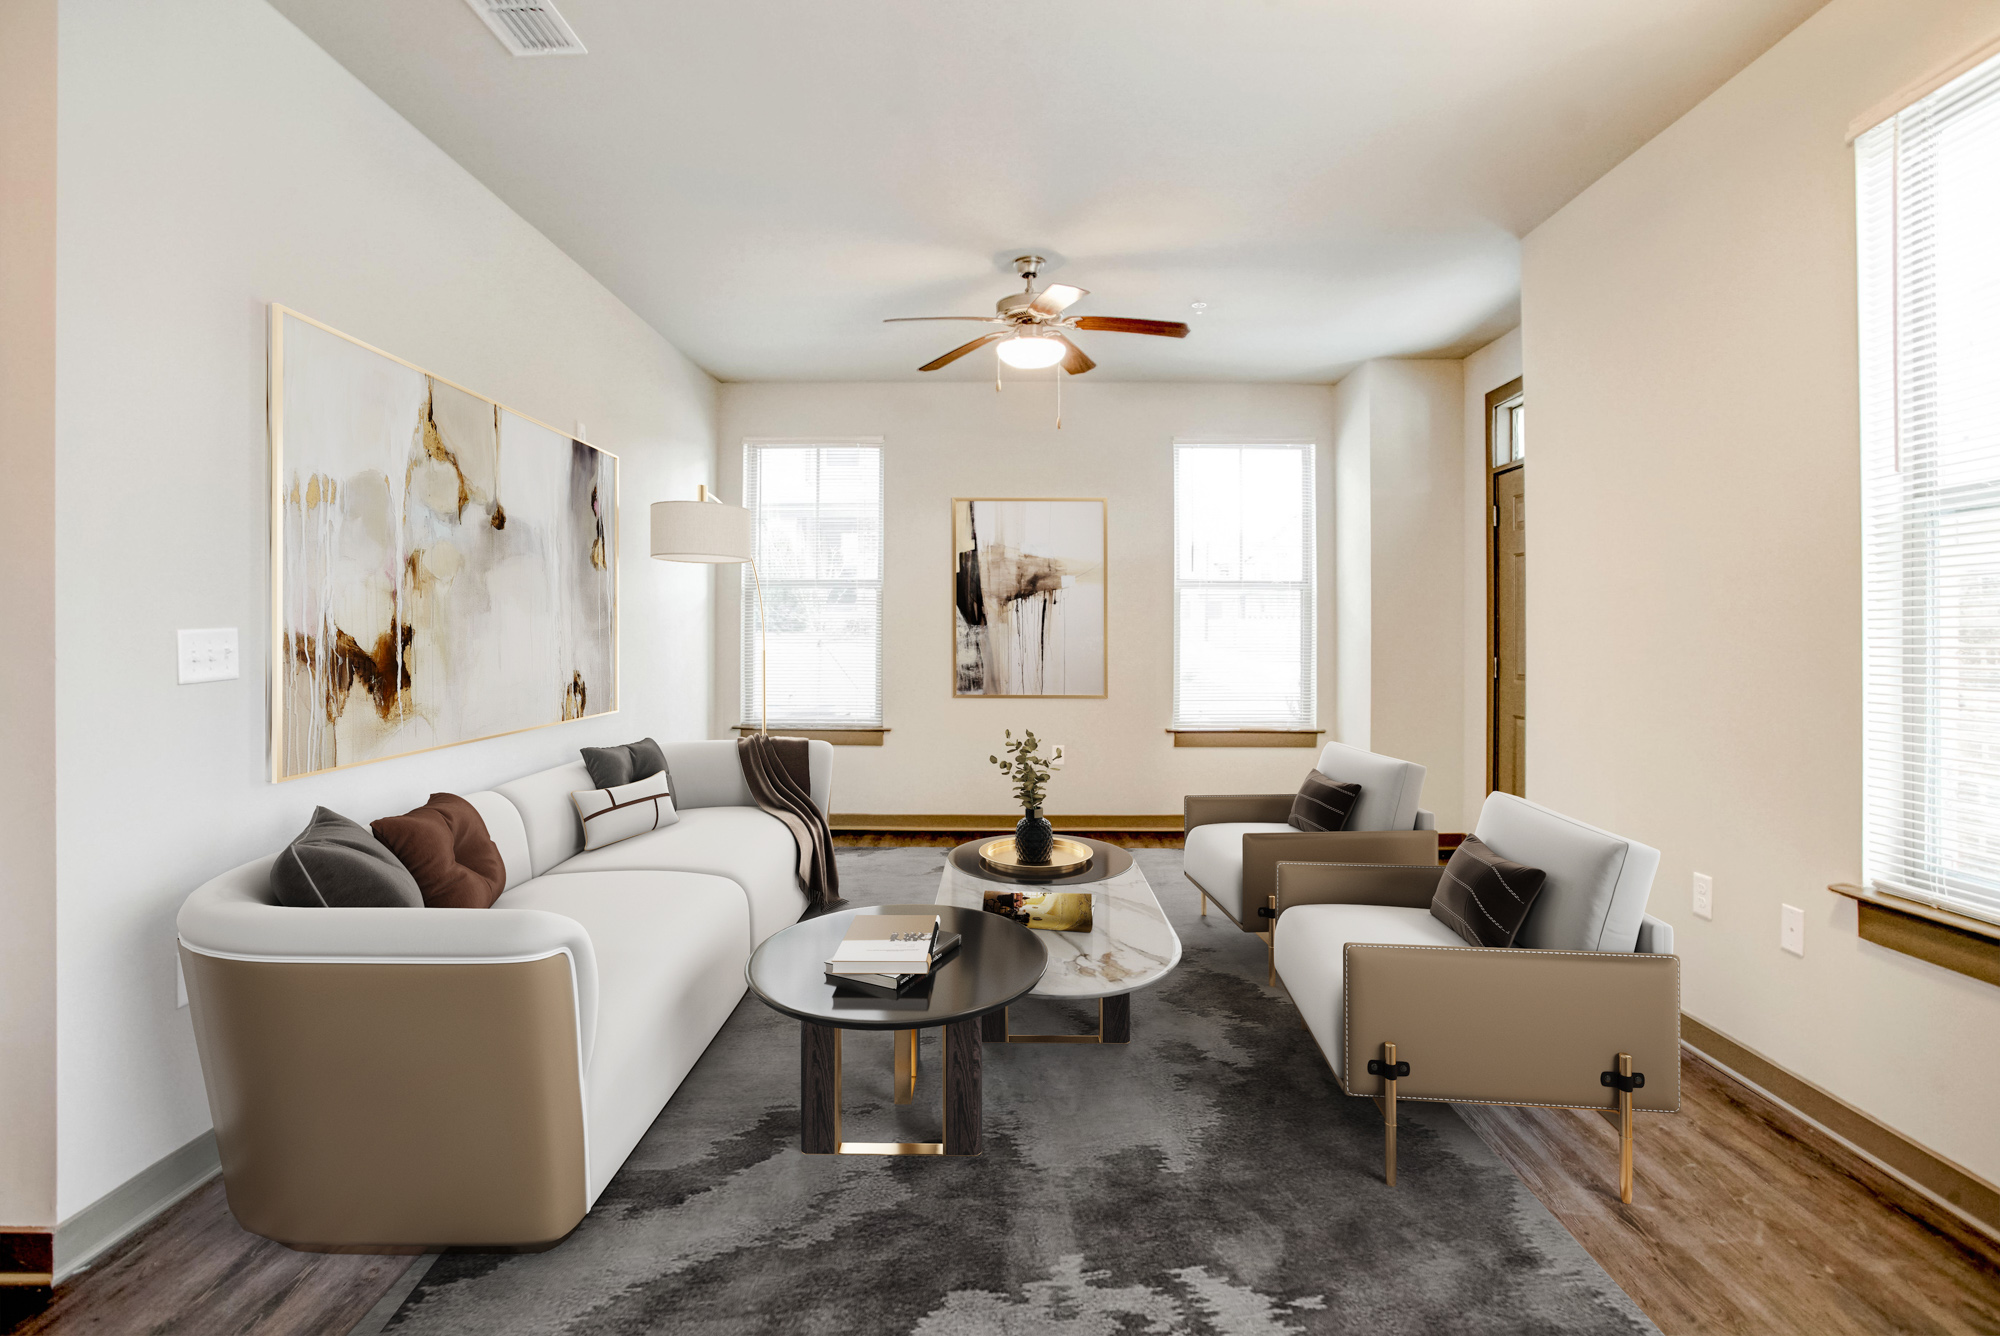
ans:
(1059, 380)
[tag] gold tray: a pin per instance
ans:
(1066, 857)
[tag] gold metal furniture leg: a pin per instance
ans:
(1389, 1116)
(1204, 904)
(1271, 944)
(906, 1066)
(1625, 1133)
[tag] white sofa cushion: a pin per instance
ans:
(1595, 894)
(549, 817)
(671, 952)
(503, 823)
(1390, 789)
(1311, 958)
(751, 848)
(708, 774)
(1214, 856)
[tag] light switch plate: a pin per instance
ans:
(208, 656)
(1792, 929)
(1704, 896)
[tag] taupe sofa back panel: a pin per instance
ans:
(314, 1159)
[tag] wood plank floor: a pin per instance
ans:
(1745, 1219)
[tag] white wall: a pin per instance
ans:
(1485, 371)
(1694, 619)
(27, 610)
(213, 160)
(958, 439)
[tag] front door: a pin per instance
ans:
(1510, 605)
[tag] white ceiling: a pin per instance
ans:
(765, 180)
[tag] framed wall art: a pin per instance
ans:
(1028, 581)
(444, 569)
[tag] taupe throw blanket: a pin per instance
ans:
(780, 779)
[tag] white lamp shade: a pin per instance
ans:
(1030, 354)
(700, 531)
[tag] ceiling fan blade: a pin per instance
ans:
(1075, 362)
(963, 349)
(1116, 324)
(1055, 299)
(906, 319)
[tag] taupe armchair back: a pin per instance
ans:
(1584, 1012)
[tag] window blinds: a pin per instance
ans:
(816, 527)
(1244, 635)
(1928, 211)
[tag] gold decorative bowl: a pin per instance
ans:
(1066, 857)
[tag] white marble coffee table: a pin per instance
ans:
(1130, 944)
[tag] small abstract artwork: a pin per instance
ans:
(444, 568)
(1028, 595)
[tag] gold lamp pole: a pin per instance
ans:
(710, 531)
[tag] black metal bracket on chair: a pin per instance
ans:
(1265, 911)
(1628, 1084)
(1376, 1067)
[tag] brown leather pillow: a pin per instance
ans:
(1483, 897)
(1323, 804)
(445, 846)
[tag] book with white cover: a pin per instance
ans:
(886, 944)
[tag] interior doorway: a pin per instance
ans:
(1507, 590)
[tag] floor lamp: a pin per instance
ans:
(706, 530)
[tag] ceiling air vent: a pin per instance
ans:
(528, 27)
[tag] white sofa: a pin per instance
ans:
(425, 1077)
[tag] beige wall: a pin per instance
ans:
(27, 610)
(1694, 632)
(213, 160)
(959, 439)
(1486, 370)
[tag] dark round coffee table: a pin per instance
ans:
(997, 962)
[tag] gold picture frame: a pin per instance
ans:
(995, 647)
(604, 546)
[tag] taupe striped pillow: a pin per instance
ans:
(1483, 897)
(611, 815)
(1323, 804)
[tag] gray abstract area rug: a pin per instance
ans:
(1209, 1178)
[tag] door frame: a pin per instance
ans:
(1494, 398)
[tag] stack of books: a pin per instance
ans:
(887, 955)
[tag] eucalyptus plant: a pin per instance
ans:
(1027, 767)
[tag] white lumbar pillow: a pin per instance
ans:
(611, 815)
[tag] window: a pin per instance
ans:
(816, 527)
(1510, 431)
(1928, 187)
(1244, 641)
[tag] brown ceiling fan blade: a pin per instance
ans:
(1055, 299)
(906, 319)
(1076, 362)
(963, 349)
(1117, 324)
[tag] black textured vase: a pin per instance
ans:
(1034, 837)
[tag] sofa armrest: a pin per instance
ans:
(1656, 937)
(1404, 884)
(1513, 1026)
(1263, 851)
(1426, 820)
(1213, 808)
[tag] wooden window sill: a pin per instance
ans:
(839, 737)
(1951, 941)
(1246, 737)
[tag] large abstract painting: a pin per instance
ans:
(444, 569)
(1028, 583)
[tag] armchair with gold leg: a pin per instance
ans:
(1583, 1012)
(1236, 841)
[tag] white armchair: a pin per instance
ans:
(1582, 1012)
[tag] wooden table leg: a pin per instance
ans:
(993, 1026)
(819, 1088)
(1114, 1019)
(964, 1060)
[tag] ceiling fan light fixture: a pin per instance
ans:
(1025, 353)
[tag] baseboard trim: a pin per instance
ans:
(26, 1258)
(985, 821)
(114, 1217)
(1951, 1186)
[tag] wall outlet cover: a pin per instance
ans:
(1704, 896)
(208, 655)
(1792, 929)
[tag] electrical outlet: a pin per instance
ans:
(208, 656)
(1704, 896)
(1792, 929)
(180, 982)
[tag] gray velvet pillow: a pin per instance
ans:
(337, 864)
(615, 767)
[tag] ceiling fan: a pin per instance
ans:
(1034, 332)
